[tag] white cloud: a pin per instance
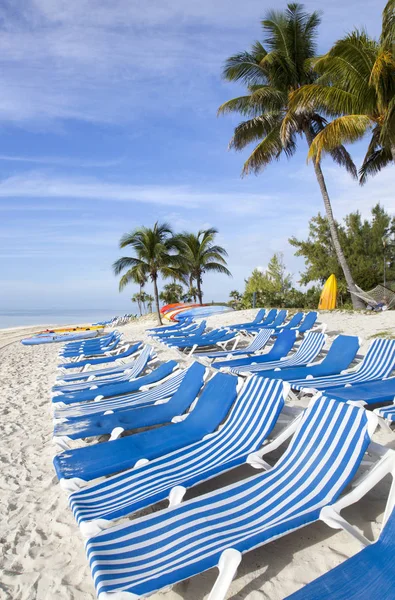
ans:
(63, 161)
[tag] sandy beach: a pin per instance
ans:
(43, 554)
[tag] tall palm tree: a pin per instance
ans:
(153, 249)
(271, 72)
(199, 254)
(150, 300)
(356, 87)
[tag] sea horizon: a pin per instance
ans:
(59, 316)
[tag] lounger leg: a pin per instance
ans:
(176, 495)
(227, 566)
(116, 433)
(118, 596)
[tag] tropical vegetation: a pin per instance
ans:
(356, 88)
(272, 72)
(159, 253)
(200, 254)
(369, 246)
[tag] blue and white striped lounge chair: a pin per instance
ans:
(147, 396)
(98, 460)
(308, 322)
(118, 388)
(259, 342)
(259, 318)
(146, 356)
(86, 350)
(128, 419)
(310, 347)
(387, 412)
(99, 373)
(372, 392)
(192, 329)
(175, 327)
(215, 529)
(102, 340)
(378, 363)
(219, 337)
(282, 345)
(134, 369)
(367, 575)
(87, 362)
(340, 355)
(250, 422)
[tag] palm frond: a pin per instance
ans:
(349, 128)
(253, 130)
(343, 158)
(126, 262)
(265, 152)
(388, 26)
(218, 268)
(333, 101)
(246, 66)
(373, 163)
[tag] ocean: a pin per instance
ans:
(53, 316)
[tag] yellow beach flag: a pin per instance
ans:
(329, 294)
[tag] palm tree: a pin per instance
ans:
(199, 254)
(356, 85)
(153, 249)
(150, 300)
(171, 293)
(137, 299)
(271, 73)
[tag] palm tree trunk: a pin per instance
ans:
(356, 302)
(393, 153)
(199, 290)
(157, 300)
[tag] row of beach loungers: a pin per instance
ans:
(157, 429)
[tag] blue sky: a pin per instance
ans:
(108, 121)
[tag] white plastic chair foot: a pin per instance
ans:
(227, 566)
(72, 485)
(116, 433)
(176, 495)
(91, 528)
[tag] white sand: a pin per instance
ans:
(42, 552)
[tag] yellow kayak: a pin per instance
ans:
(65, 329)
(329, 294)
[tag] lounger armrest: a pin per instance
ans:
(331, 514)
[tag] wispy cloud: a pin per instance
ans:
(62, 161)
(39, 185)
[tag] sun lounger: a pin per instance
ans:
(378, 363)
(175, 327)
(118, 355)
(147, 356)
(340, 355)
(310, 347)
(370, 393)
(259, 318)
(368, 575)
(117, 389)
(98, 373)
(156, 392)
(128, 419)
(282, 345)
(193, 329)
(250, 422)
(89, 348)
(259, 342)
(219, 337)
(215, 529)
(84, 464)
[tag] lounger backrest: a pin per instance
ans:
(379, 360)
(295, 320)
(308, 350)
(308, 322)
(280, 317)
(283, 344)
(259, 341)
(342, 352)
(271, 315)
(259, 316)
